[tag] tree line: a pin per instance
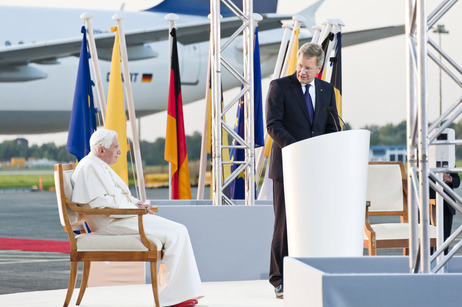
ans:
(152, 153)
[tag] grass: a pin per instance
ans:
(155, 177)
(26, 181)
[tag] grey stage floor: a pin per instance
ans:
(34, 216)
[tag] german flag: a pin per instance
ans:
(146, 78)
(175, 141)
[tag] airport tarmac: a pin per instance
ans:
(33, 215)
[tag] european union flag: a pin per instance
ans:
(83, 116)
(237, 187)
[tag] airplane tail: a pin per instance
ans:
(202, 7)
(309, 12)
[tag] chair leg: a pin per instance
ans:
(154, 282)
(372, 250)
(83, 284)
(71, 285)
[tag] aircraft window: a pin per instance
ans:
(7, 43)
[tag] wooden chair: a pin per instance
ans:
(387, 196)
(88, 247)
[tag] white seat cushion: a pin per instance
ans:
(103, 242)
(396, 231)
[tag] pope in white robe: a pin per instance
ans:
(96, 184)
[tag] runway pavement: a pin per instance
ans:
(34, 215)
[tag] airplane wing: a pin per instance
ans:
(49, 51)
(348, 38)
(364, 36)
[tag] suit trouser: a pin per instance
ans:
(448, 217)
(279, 247)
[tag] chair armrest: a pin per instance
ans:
(107, 211)
(368, 226)
(368, 204)
(370, 233)
(113, 211)
(405, 186)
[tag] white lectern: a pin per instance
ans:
(325, 182)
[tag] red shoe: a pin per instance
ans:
(187, 303)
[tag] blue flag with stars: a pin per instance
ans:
(83, 116)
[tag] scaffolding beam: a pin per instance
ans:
(420, 135)
(244, 74)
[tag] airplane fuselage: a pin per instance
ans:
(44, 105)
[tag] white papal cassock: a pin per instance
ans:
(98, 185)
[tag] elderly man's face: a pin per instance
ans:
(111, 154)
(307, 69)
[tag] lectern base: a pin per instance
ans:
(368, 281)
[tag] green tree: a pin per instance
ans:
(193, 144)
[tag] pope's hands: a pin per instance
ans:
(147, 207)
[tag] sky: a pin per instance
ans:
(374, 74)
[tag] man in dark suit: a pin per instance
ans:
(453, 181)
(292, 115)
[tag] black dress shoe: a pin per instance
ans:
(279, 291)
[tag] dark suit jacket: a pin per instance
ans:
(287, 118)
(453, 185)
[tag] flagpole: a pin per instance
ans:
(203, 157)
(326, 29)
(282, 51)
(316, 34)
(94, 59)
(298, 20)
(130, 105)
(260, 162)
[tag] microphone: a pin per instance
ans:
(331, 111)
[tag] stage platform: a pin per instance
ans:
(254, 293)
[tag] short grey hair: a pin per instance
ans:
(102, 138)
(310, 50)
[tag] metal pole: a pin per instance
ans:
(216, 102)
(94, 60)
(130, 106)
(248, 52)
(440, 30)
(423, 132)
(411, 126)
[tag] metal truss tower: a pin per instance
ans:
(420, 135)
(219, 110)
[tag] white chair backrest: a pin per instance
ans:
(385, 187)
(73, 216)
